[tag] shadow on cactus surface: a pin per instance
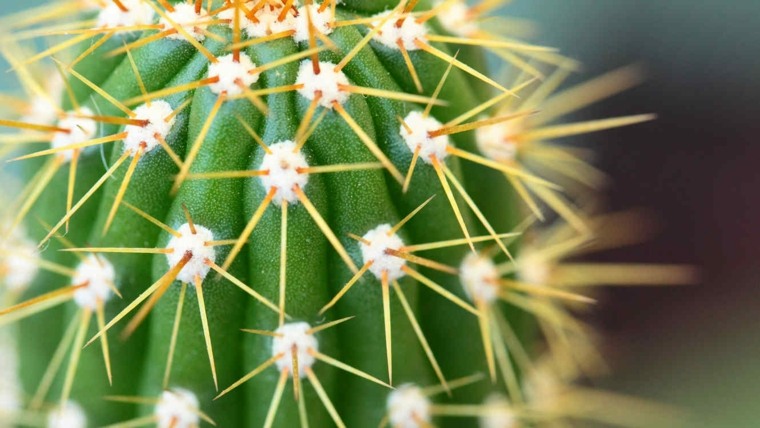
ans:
(283, 213)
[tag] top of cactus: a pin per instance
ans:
(408, 407)
(264, 21)
(177, 408)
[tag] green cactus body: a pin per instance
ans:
(350, 202)
(263, 167)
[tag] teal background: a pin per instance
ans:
(696, 347)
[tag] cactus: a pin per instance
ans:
(283, 213)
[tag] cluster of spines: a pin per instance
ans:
(505, 139)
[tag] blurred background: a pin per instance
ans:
(698, 346)
(696, 165)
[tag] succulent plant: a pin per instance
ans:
(272, 212)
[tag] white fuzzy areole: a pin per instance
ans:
(327, 82)
(283, 164)
(533, 269)
(421, 127)
(457, 18)
(499, 413)
(497, 142)
(379, 243)
(70, 415)
(266, 21)
(138, 12)
(195, 244)
(177, 408)
(479, 277)
(157, 127)
(321, 21)
(390, 34)
(408, 406)
(98, 273)
(234, 77)
(20, 262)
(81, 129)
(294, 335)
(184, 16)
(43, 110)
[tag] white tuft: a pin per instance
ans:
(533, 269)
(376, 251)
(456, 18)
(479, 278)
(408, 407)
(229, 16)
(294, 335)
(81, 129)
(321, 21)
(43, 110)
(138, 12)
(40, 112)
(195, 244)
(265, 21)
(390, 34)
(177, 408)
(327, 82)
(157, 127)
(498, 141)
(70, 415)
(283, 164)
(499, 413)
(184, 16)
(421, 127)
(20, 259)
(98, 274)
(234, 77)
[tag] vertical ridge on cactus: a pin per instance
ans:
(293, 213)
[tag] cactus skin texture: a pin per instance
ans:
(259, 181)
